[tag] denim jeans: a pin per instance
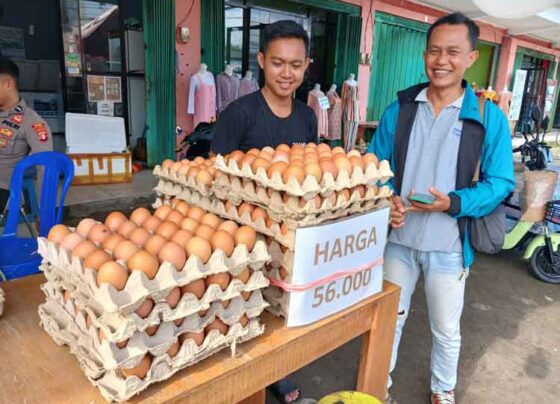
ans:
(444, 284)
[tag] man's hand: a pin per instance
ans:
(398, 212)
(441, 204)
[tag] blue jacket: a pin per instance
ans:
(488, 142)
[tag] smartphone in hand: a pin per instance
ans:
(426, 199)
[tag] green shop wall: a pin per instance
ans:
(480, 71)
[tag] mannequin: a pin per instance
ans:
(334, 114)
(227, 84)
(202, 96)
(319, 104)
(248, 84)
(504, 101)
(350, 111)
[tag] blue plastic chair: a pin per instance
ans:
(18, 255)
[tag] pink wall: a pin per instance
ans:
(188, 59)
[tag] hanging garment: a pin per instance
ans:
(228, 89)
(504, 100)
(335, 116)
(202, 98)
(350, 114)
(248, 86)
(317, 101)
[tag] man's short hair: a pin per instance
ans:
(283, 29)
(456, 19)
(8, 67)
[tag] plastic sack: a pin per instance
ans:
(539, 189)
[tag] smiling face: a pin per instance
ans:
(448, 55)
(284, 63)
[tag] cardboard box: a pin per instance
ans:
(101, 168)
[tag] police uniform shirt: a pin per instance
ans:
(248, 122)
(22, 131)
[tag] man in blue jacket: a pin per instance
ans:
(435, 138)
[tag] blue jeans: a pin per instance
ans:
(444, 284)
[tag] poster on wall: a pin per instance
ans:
(113, 89)
(96, 88)
(73, 64)
(12, 42)
(517, 94)
(549, 96)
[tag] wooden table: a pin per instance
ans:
(33, 369)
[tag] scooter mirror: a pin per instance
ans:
(536, 115)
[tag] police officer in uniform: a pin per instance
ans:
(22, 130)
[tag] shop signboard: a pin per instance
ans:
(517, 94)
(336, 265)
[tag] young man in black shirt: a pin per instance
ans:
(271, 116)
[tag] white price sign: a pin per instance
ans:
(336, 265)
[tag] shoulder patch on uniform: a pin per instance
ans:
(41, 131)
(6, 132)
(3, 142)
(17, 119)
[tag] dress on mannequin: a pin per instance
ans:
(314, 102)
(202, 97)
(335, 115)
(350, 112)
(248, 85)
(227, 84)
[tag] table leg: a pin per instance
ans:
(377, 345)
(257, 398)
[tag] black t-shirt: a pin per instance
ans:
(248, 122)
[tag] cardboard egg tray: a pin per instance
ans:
(310, 187)
(278, 298)
(62, 326)
(189, 182)
(139, 342)
(138, 286)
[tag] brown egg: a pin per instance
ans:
(221, 279)
(83, 249)
(196, 213)
(120, 344)
(89, 321)
(317, 201)
(211, 220)
(114, 220)
(162, 212)
(152, 223)
(230, 226)
(70, 241)
(199, 160)
(173, 349)
(175, 217)
(332, 198)
(244, 320)
(345, 193)
(85, 226)
(145, 262)
(321, 147)
(112, 273)
(179, 321)
(356, 162)
(139, 216)
(283, 147)
(96, 259)
(338, 150)
(327, 166)
(269, 223)
(139, 236)
(342, 163)
(175, 167)
(268, 150)
(246, 235)
(259, 163)
(246, 295)
(253, 152)
(259, 214)
(325, 156)
(245, 207)
(181, 237)
(173, 253)
(167, 163)
(311, 158)
(140, 370)
(126, 228)
(204, 177)
(197, 288)
(204, 231)
(155, 244)
(111, 242)
(67, 296)
(225, 303)
(182, 207)
(184, 170)
(294, 171)
(244, 275)
(360, 189)
(370, 158)
(222, 240)
(197, 337)
(284, 229)
(124, 250)
(99, 233)
(189, 224)
(353, 153)
(199, 247)
(173, 297)
(280, 156)
(248, 160)
(314, 170)
(167, 230)
(193, 172)
(228, 206)
(217, 324)
(145, 308)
